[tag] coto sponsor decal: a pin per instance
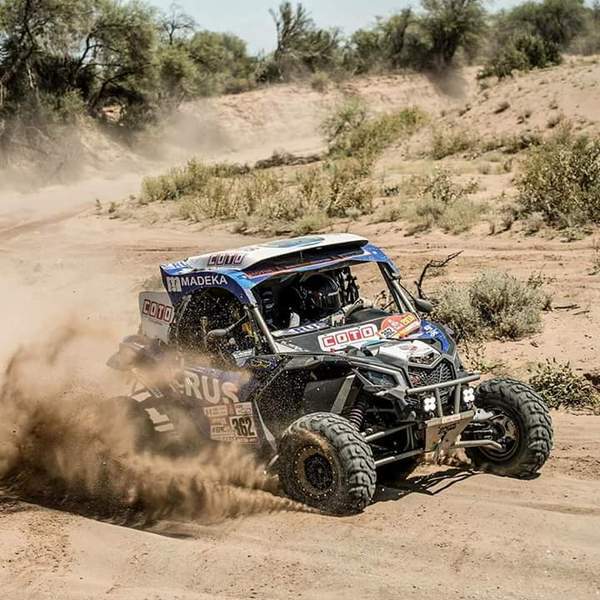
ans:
(345, 337)
(158, 311)
(226, 260)
(177, 284)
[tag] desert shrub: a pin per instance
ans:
(560, 180)
(390, 212)
(258, 190)
(310, 223)
(447, 142)
(266, 197)
(561, 387)
(453, 307)
(349, 188)
(443, 203)
(193, 178)
(512, 143)
(350, 132)
(494, 305)
(320, 82)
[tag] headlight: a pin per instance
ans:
(468, 396)
(380, 379)
(429, 403)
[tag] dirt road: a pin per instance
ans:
(446, 534)
(451, 534)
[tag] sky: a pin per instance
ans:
(250, 19)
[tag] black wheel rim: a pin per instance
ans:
(506, 433)
(314, 471)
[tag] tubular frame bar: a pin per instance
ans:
(444, 384)
(478, 444)
(390, 459)
(381, 434)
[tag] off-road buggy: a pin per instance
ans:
(275, 346)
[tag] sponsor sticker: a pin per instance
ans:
(157, 311)
(308, 328)
(224, 259)
(216, 411)
(337, 340)
(229, 419)
(177, 284)
(243, 408)
(399, 326)
(209, 389)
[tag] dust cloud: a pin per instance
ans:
(63, 441)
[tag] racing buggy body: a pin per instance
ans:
(276, 346)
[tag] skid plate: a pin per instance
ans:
(442, 432)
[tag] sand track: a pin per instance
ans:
(446, 533)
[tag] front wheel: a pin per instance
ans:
(520, 423)
(324, 462)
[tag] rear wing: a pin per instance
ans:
(157, 312)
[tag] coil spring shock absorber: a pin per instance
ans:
(357, 413)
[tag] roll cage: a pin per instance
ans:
(181, 282)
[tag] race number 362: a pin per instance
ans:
(243, 427)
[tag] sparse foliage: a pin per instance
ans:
(561, 387)
(351, 132)
(494, 305)
(560, 180)
(443, 203)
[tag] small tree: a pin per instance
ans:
(450, 25)
(300, 44)
(176, 24)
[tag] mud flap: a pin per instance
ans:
(442, 432)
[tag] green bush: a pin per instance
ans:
(446, 142)
(266, 197)
(350, 131)
(560, 180)
(443, 203)
(523, 52)
(561, 387)
(494, 305)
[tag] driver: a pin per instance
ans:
(321, 297)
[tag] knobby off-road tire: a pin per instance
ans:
(324, 462)
(532, 425)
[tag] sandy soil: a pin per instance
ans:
(447, 532)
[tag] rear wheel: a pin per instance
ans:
(324, 462)
(520, 423)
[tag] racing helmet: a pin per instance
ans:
(321, 294)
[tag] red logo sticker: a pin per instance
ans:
(399, 326)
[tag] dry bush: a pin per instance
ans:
(560, 180)
(310, 223)
(447, 142)
(351, 132)
(265, 199)
(512, 143)
(193, 178)
(561, 387)
(494, 305)
(350, 188)
(320, 82)
(443, 203)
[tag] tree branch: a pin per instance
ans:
(433, 264)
